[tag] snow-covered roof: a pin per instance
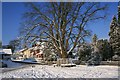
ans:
(23, 49)
(5, 51)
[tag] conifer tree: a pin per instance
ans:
(104, 49)
(94, 38)
(119, 12)
(115, 35)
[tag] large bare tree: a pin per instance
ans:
(62, 24)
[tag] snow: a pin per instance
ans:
(80, 71)
(5, 51)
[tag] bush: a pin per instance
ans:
(94, 60)
(116, 58)
(84, 52)
(115, 63)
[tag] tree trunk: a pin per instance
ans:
(63, 54)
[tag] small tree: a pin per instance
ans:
(84, 52)
(95, 56)
(49, 51)
(104, 49)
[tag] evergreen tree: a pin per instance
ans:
(94, 38)
(115, 36)
(84, 51)
(94, 41)
(104, 49)
(95, 56)
(119, 12)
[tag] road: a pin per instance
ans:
(3, 70)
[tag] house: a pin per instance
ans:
(25, 53)
(5, 53)
(36, 51)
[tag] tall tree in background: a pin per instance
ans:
(112, 34)
(119, 12)
(118, 32)
(94, 38)
(63, 24)
(115, 34)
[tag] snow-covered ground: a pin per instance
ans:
(80, 71)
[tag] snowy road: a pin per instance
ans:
(2, 70)
(81, 71)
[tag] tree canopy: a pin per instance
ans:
(62, 24)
